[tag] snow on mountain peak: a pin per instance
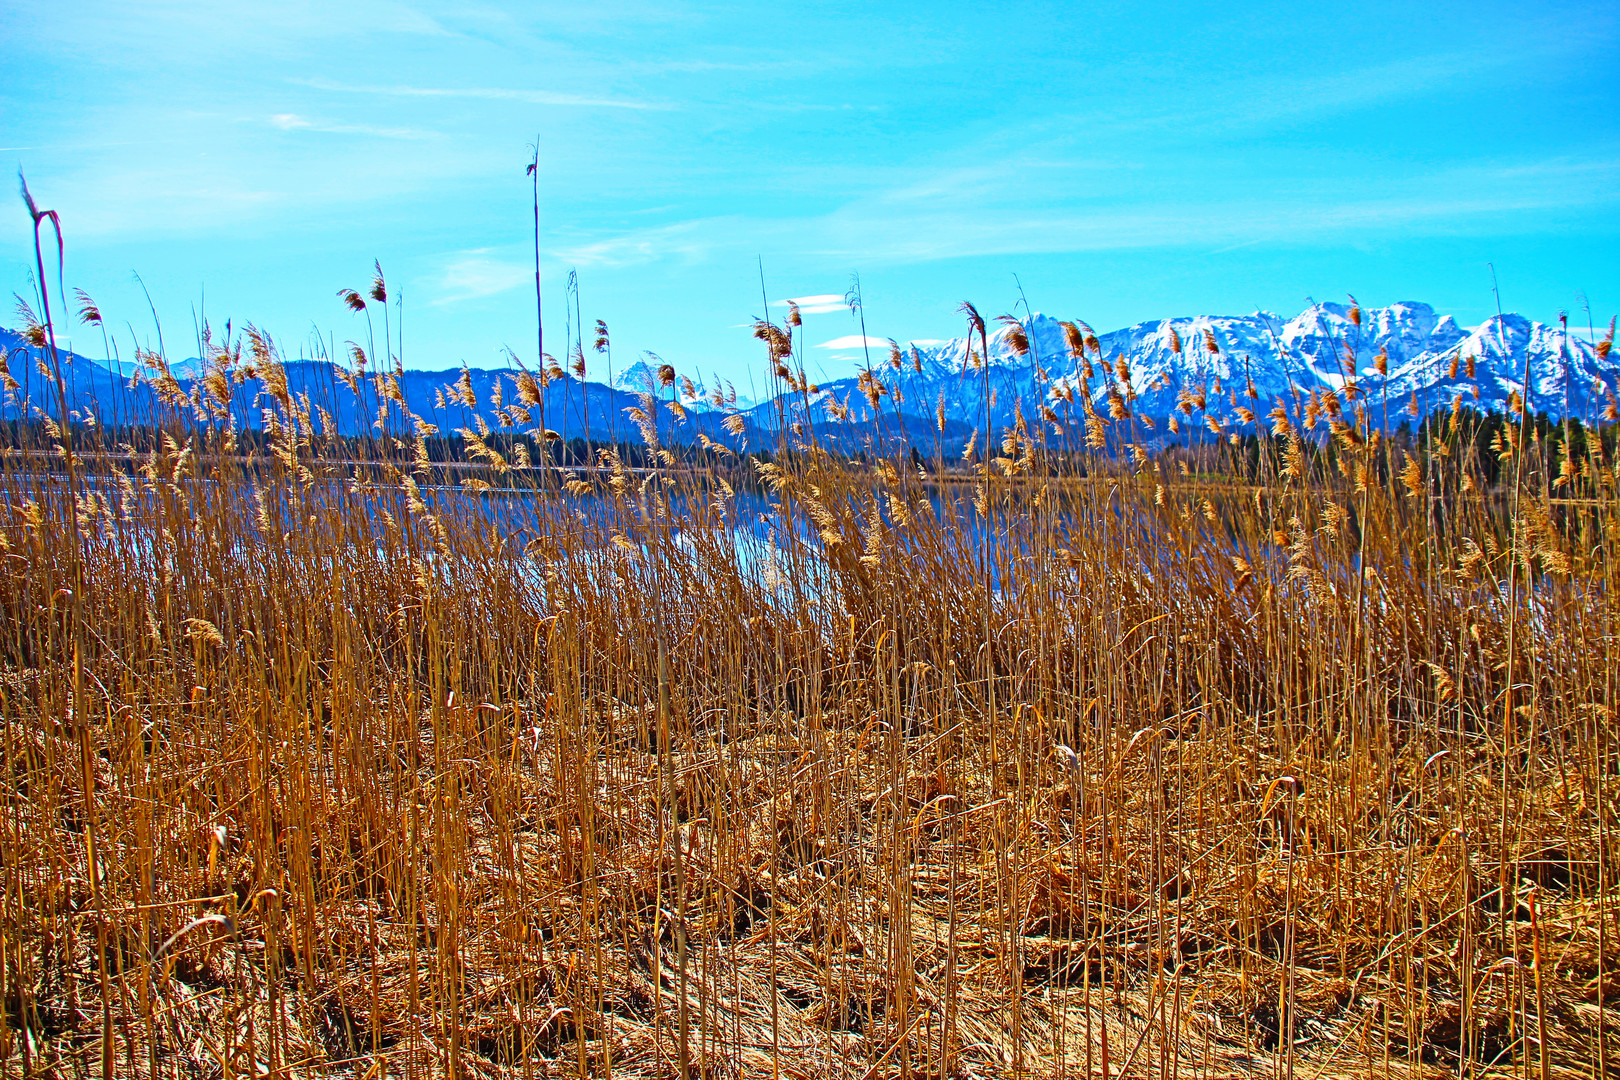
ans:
(638, 378)
(1400, 353)
(1404, 357)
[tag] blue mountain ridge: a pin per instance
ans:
(933, 397)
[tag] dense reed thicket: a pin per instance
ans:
(1141, 768)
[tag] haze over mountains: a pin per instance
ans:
(1428, 360)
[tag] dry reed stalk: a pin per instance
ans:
(512, 791)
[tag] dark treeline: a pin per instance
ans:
(1481, 441)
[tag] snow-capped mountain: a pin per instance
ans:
(1566, 376)
(1405, 359)
(642, 378)
(639, 378)
(1395, 354)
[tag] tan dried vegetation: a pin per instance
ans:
(312, 769)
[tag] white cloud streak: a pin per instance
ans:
(527, 97)
(892, 227)
(855, 341)
(295, 122)
(820, 304)
(685, 240)
(473, 275)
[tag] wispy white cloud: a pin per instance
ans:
(1282, 96)
(292, 121)
(878, 229)
(475, 274)
(528, 97)
(1459, 198)
(855, 341)
(772, 63)
(685, 240)
(295, 122)
(820, 304)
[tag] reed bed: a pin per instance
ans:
(1091, 762)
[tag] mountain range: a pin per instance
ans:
(1405, 360)
(1403, 354)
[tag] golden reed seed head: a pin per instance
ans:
(1074, 339)
(1018, 341)
(89, 314)
(1412, 476)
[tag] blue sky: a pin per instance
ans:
(1125, 161)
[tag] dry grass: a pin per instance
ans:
(311, 771)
